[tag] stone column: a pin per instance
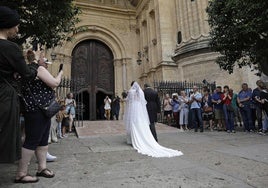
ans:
(118, 85)
(124, 74)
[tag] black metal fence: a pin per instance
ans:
(170, 87)
(74, 85)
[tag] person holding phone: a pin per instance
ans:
(36, 93)
(52, 133)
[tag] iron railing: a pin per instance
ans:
(170, 87)
(73, 85)
(76, 85)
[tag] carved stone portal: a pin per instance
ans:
(93, 62)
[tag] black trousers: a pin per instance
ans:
(152, 128)
(37, 127)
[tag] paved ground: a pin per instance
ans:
(106, 128)
(211, 159)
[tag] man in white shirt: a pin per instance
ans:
(195, 101)
(107, 107)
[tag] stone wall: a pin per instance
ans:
(151, 27)
(195, 60)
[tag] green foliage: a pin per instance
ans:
(46, 21)
(239, 30)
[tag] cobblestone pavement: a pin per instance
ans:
(211, 159)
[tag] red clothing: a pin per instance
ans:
(227, 100)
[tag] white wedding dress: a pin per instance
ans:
(136, 120)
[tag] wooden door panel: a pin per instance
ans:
(93, 61)
(105, 68)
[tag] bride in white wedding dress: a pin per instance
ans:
(136, 120)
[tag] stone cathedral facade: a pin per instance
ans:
(144, 40)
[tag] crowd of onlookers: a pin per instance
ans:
(221, 109)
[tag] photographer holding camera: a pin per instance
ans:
(107, 107)
(167, 108)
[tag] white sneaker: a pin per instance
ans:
(51, 158)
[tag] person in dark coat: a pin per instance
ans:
(116, 107)
(12, 64)
(153, 107)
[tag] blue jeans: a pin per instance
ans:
(197, 118)
(247, 117)
(229, 118)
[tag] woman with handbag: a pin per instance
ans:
(36, 94)
(12, 64)
(207, 106)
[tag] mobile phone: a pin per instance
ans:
(60, 68)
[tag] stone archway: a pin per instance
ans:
(93, 61)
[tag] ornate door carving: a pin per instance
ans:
(92, 63)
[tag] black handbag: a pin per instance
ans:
(51, 109)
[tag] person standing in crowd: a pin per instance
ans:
(237, 115)
(65, 124)
(207, 107)
(190, 114)
(244, 100)
(184, 110)
(195, 101)
(116, 107)
(153, 107)
(107, 107)
(70, 109)
(228, 109)
(256, 103)
(59, 118)
(12, 64)
(218, 108)
(175, 109)
(167, 109)
(264, 101)
(36, 93)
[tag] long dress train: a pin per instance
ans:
(137, 122)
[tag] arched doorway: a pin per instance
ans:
(92, 63)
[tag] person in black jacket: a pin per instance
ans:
(153, 107)
(13, 69)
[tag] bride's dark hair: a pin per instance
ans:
(132, 83)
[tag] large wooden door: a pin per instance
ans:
(92, 63)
